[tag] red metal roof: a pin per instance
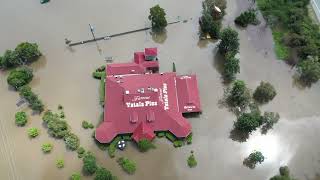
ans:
(151, 51)
(143, 103)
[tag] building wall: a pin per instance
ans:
(316, 6)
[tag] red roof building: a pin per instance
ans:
(140, 102)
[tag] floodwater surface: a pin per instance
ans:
(63, 76)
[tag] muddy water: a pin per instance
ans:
(63, 76)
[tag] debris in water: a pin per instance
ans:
(44, 1)
(184, 21)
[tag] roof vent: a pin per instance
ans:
(161, 73)
(142, 90)
(155, 90)
(118, 81)
(127, 92)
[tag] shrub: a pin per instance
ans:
(56, 127)
(209, 6)
(20, 77)
(248, 122)
(33, 132)
(238, 95)
(47, 147)
(60, 163)
(98, 75)
(229, 41)
(75, 176)
(268, 120)
(60, 107)
(231, 66)
(34, 102)
(72, 142)
(170, 137)
(161, 134)
(81, 152)
(144, 145)
(10, 59)
(28, 52)
(309, 70)
(256, 157)
(89, 164)
(284, 174)
(189, 139)
(208, 25)
(21, 118)
(157, 18)
(264, 93)
(86, 125)
(192, 162)
(178, 143)
(113, 146)
(104, 174)
(102, 91)
(127, 165)
(247, 17)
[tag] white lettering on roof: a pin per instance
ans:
(165, 96)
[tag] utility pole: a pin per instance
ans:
(92, 31)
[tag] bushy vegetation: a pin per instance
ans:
(81, 152)
(89, 164)
(21, 118)
(229, 41)
(113, 146)
(170, 137)
(178, 143)
(72, 141)
(104, 174)
(102, 91)
(238, 95)
(264, 93)
(253, 159)
(57, 127)
(47, 147)
(248, 122)
(158, 18)
(99, 72)
(60, 163)
(281, 50)
(309, 70)
(161, 134)
(144, 145)
(20, 77)
(291, 18)
(210, 21)
(34, 102)
(75, 176)
(231, 66)
(127, 165)
(33, 132)
(24, 53)
(189, 139)
(284, 174)
(268, 120)
(192, 162)
(246, 18)
(86, 125)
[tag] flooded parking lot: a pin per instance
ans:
(63, 76)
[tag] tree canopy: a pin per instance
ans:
(229, 41)
(158, 18)
(238, 95)
(21, 118)
(309, 70)
(104, 174)
(144, 145)
(20, 77)
(264, 93)
(248, 122)
(89, 164)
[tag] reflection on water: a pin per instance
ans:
(159, 37)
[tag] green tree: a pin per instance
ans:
(72, 141)
(229, 41)
(86, 125)
(284, 174)
(209, 25)
(28, 52)
(144, 145)
(20, 77)
(34, 102)
(231, 66)
(47, 147)
(248, 122)
(21, 118)
(269, 119)
(127, 165)
(238, 95)
(33, 132)
(89, 164)
(256, 157)
(75, 176)
(10, 59)
(309, 70)
(60, 163)
(192, 162)
(157, 18)
(174, 67)
(247, 17)
(104, 174)
(264, 93)
(57, 127)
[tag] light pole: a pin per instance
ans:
(92, 31)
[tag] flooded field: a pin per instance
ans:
(63, 76)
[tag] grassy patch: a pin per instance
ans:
(282, 51)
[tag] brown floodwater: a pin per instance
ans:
(63, 76)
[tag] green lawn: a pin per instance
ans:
(282, 51)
